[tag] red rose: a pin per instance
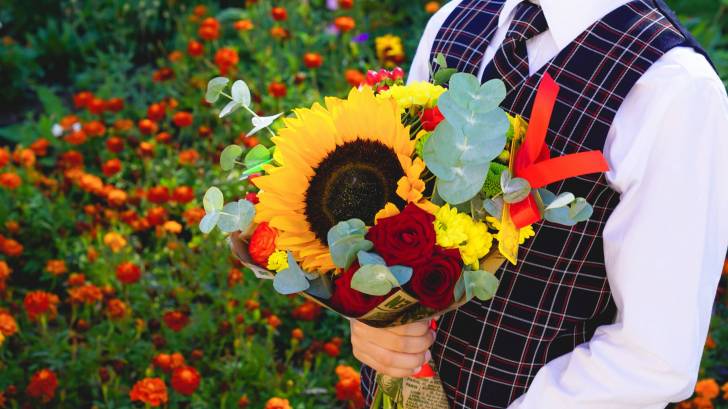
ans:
(349, 301)
(262, 244)
(433, 282)
(431, 118)
(406, 239)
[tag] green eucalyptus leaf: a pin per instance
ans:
(214, 88)
(489, 96)
(291, 280)
(481, 284)
(213, 200)
(516, 190)
(209, 221)
(236, 216)
(563, 200)
(580, 210)
(494, 207)
(240, 93)
(439, 151)
(229, 108)
(370, 258)
(402, 273)
(229, 156)
(321, 287)
(346, 240)
(374, 279)
(465, 186)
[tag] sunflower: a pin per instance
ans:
(344, 160)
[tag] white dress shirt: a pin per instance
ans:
(665, 242)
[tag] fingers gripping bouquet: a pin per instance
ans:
(395, 204)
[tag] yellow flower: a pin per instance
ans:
(458, 230)
(172, 226)
(114, 241)
(524, 234)
(420, 93)
(335, 162)
(278, 261)
(390, 50)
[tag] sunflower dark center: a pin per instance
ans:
(355, 180)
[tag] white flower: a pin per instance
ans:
(57, 130)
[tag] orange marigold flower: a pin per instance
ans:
(707, 388)
(128, 273)
(156, 216)
(4, 157)
(158, 194)
(87, 294)
(114, 241)
(308, 311)
(297, 333)
(117, 309)
(10, 247)
(12, 225)
(182, 119)
(432, 6)
(226, 58)
(156, 111)
(345, 23)
(168, 362)
(163, 137)
(313, 60)
(56, 267)
(24, 157)
(279, 13)
(37, 303)
(146, 149)
(209, 29)
(163, 74)
(172, 226)
(188, 157)
(185, 380)
(277, 89)
(147, 126)
(94, 128)
(10, 180)
(39, 147)
(81, 99)
(332, 349)
(183, 194)
(76, 279)
(123, 124)
(71, 159)
(176, 320)
(243, 402)
(346, 4)
(111, 167)
(354, 77)
(199, 10)
(274, 321)
(277, 403)
(5, 270)
(150, 391)
(115, 104)
(116, 197)
(43, 385)
(175, 56)
(96, 106)
(8, 325)
(279, 33)
(193, 216)
(243, 25)
(195, 48)
(76, 137)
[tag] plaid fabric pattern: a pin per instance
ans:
(487, 353)
(510, 62)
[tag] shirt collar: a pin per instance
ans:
(566, 18)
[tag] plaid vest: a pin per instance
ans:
(487, 353)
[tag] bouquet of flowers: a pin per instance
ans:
(396, 204)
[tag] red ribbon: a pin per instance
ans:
(533, 160)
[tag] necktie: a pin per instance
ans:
(510, 61)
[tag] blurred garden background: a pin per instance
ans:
(109, 295)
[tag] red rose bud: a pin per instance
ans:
(431, 117)
(349, 301)
(262, 244)
(433, 282)
(406, 239)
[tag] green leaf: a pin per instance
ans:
(374, 279)
(229, 156)
(562, 200)
(346, 240)
(488, 97)
(321, 287)
(209, 222)
(402, 273)
(370, 258)
(214, 88)
(481, 284)
(580, 210)
(256, 156)
(494, 207)
(441, 60)
(213, 200)
(443, 75)
(291, 280)
(229, 108)
(465, 186)
(516, 190)
(241, 93)
(236, 216)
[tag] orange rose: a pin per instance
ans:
(262, 244)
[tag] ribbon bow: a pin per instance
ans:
(533, 159)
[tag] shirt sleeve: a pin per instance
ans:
(420, 69)
(664, 245)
